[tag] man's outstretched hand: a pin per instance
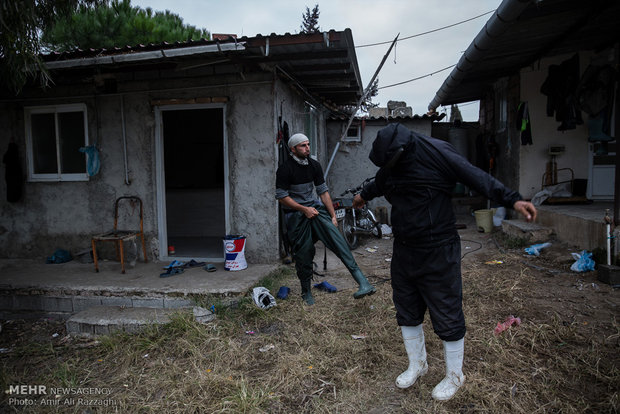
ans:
(526, 209)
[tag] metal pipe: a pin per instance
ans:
(124, 141)
(331, 160)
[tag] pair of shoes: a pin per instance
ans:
(326, 287)
(210, 267)
(172, 271)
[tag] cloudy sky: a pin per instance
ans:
(371, 21)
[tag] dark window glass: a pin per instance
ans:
(71, 138)
(44, 144)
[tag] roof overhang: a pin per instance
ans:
(323, 64)
(521, 32)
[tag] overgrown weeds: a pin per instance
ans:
(339, 356)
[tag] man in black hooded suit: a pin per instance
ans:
(417, 175)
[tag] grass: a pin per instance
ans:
(548, 364)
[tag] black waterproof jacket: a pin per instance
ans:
(419, 185)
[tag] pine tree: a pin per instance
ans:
(310, 23)
(118, 24)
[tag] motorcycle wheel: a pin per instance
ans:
(346, 228)
(377, 231)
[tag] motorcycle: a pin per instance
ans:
(354, 222)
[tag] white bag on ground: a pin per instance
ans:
(262, 298)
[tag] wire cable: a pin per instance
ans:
(425, 33)
(418, 78)
(471, 241)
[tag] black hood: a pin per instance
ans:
(389, 144)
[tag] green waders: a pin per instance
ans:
(304, 233)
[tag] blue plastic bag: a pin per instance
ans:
(536, 248)
(59, 256)
(584, 262)
(92, 156)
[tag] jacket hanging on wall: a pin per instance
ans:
(14, 177)
(523, 124)
(560, 87)
(596, 98)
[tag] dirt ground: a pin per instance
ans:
(552, 288)
(563, 357)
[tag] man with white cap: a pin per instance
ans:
(308, 220)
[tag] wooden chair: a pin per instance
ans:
(120, 236)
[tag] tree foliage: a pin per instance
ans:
(310, 22)
(20, 24)
(116, 24)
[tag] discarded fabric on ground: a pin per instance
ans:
(501, 327)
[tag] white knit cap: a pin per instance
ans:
(297, 139)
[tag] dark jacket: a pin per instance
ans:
(420, 184)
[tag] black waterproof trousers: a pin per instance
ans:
(429, 278)
(304, 232)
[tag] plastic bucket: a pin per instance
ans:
(484, 220)
(234, 250)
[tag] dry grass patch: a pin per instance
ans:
(553, 362)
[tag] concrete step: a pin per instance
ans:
(25, 303)
(531, 232)
(105, 320)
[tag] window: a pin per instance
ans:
(354, 134)
(311, 127)
(54, 135)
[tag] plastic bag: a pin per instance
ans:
(536, 248)
(584, 262)
(59, 256)
(262, 298)
(501, 327)
(92, 156)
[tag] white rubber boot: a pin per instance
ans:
(413, 336)
(453, 352)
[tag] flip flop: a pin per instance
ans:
(172, 271)
(210, 267)
(173, 264)
(326, 287)
(193, 263)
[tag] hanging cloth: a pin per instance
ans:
(523, 124)
(93, 163)
(13, 175)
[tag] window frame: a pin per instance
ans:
(59, 176)
(358, 135)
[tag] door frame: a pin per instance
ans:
(161, 177)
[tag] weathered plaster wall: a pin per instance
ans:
(66, 214)
(351, 165)
(533, 158)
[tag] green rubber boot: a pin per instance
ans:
(306, 291)
(365, 287)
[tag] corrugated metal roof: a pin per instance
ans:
(324, 64)
(544, 28)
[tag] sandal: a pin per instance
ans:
(172, 271)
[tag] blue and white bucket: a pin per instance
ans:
(234, 250)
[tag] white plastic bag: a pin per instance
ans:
(262, 298)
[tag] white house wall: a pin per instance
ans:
(533, 158)
(66, 214)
